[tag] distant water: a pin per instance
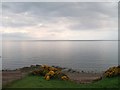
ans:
(79, 55)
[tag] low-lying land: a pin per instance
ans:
(22, 78)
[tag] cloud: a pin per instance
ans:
(63, 8)
(60, 20)
(15, 36)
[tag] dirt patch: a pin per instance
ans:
(10, 76)
(84, 77)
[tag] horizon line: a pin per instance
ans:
(60, 40)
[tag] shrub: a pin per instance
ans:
(113, 71)
(50, 72)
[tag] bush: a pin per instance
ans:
(50, 72)
(113, 71)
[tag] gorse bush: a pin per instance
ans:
(50, 73)
(113, 71)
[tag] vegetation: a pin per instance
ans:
(113, 71)
(50, 73)
(39, 82)
(40, 78)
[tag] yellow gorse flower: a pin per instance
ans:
(47, 78)
(113, 71)
(64, 78)
(51, 73)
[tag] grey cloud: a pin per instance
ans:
(15, 36)
(47, 12)
(82, 26)
(82, 15)
(63, 9)
(90, 23)
(17, 24)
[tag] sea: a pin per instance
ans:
(88, 55)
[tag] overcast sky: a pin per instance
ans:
(60, 21)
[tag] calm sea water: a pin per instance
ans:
(79, 55)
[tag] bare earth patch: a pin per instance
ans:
(84, 77)
(10, 76)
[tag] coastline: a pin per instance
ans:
(9, 76)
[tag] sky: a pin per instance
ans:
(59, 21)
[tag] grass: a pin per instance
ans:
(40, 82)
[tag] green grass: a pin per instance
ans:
(40, 82)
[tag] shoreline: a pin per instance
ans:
(63, 68)
(9, 76)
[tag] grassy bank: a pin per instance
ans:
(40, 82)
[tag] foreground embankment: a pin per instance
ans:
(14, 77)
